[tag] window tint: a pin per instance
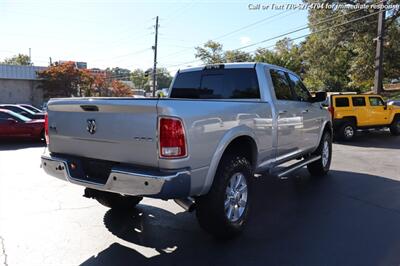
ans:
(341, 102)
(358, 101)
(4, 116)
(302, 94)
(281, 85)
(217, 84)
(376, 101)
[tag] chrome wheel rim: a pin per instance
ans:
(325, 153)
(235, 197)
(349, 131)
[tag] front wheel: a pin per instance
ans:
(224, 210)
(322, 165)
(395, 126)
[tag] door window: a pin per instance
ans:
(358, 101)
(376, 101)
(301, 92)
(281, 85)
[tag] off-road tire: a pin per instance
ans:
(344, 129)
(321, 167)
(395, 126)
(210, 209)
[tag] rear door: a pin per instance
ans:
(360, 110)
(289, 119)
(310, 113)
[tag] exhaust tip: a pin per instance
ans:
(188, 204)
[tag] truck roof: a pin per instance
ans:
(233, 65)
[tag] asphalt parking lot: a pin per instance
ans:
(351, 217)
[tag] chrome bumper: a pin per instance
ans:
(125, 180)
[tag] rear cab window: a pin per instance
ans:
(219, 83)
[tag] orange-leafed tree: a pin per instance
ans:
(61, 80)
(86, 83)
(119, 89)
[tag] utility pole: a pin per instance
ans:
(155, 59)
(378, 81)
(30, 58)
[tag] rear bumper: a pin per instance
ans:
(125, 179)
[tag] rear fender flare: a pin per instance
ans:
(223, 144)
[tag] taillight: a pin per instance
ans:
(46, 128)
(331, 110)
(172, 142)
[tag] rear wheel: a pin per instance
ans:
(347, 131)
(113, 200)
(224, 210)
(395, 126)
(321, 166)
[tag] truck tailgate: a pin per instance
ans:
(121, 130)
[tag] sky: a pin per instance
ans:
(120, 33)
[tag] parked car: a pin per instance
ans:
(201, 146)
(22, 111)
(358, 111)
(14, 125)
(394, 102)
(31, 107)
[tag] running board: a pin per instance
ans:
(297, 166)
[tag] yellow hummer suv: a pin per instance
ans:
(358, 111)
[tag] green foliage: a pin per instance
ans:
(19, 59)
(210, 53)
(237, 56)
(139, 79)
(119, 73)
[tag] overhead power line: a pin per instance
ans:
(291, 32)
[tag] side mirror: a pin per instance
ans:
(385, 107)
(320, 96)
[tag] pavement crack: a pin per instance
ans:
(3, 250)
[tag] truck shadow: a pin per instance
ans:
(8, 145)
(344, 219)
(374, 139)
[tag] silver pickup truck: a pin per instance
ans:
(201, 146)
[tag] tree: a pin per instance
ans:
(119, 73)
(139, 79)
(210, 53)
(164, 78)
(237, 56)
(19, 59)
(286, 54)
(61, 80)
(342, 58)
(119, 89)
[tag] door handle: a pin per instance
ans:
(304, 111)
(282, 112)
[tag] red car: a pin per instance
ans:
(13, 125)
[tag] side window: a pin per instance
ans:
(342, 102)
(358, 101)
(4, 117)
(376, 101)
(281, 85)
(302, 94)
